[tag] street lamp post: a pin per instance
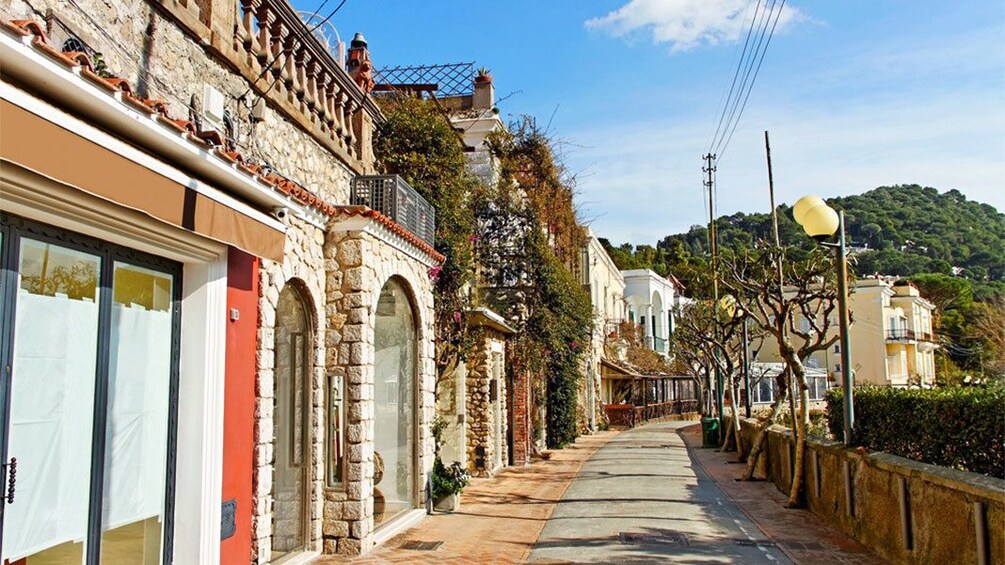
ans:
(821, 222)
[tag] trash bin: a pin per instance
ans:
(709, 432)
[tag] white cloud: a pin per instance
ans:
(686, 24)
(648, 185)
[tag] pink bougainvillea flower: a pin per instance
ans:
(434, 272)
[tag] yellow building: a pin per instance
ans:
(891, 337)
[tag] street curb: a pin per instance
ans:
(783, 549)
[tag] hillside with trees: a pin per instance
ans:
(951, 247)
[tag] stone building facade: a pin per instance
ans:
(259, 124)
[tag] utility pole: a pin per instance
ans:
(708, 169)
(781, 279)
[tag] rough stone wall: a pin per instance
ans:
(358, 265)
(161, 61)
(303, 265)
(451, 406)
(480, 417)
(941, 501)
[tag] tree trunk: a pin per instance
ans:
(801, 424)
(757, 448)
(734, 394)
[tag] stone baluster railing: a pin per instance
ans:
(296, 71)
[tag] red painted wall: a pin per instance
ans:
(239, 401)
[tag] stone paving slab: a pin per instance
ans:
(804, 537)
(499, 519)
(640, 499)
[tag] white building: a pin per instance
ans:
(606, 286)
(651, 300)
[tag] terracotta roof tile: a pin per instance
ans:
(394, 227)
(13, 27)
(120, 84)
(209, 140)
(31, 27)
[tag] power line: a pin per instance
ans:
(736, 73)
(300, 36)
(745, 81)
(753, 79)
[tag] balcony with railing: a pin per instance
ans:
(393, 197)
(901, 335)
(285, 59)
(658, 344)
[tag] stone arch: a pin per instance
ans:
(274, 283)
(656, 318)
(397, 401)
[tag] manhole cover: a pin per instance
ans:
(421, 545)
(660, 537)
(755, 543)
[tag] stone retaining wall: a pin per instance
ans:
(946, 508)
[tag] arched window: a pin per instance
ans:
(395, 424)
(291, 421)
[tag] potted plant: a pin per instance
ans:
(447, 484)
(483, 76)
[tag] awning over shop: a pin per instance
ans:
(39, 145)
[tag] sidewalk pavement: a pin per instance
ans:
(499, 519)
(803, 536)
(641, 499)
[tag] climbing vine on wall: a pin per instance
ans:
(418, 143)
(528, 249)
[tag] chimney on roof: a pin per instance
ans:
(485, 94)
(358, 64)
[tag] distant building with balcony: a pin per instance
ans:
(891, 337)
(651, 301)
(606, 286)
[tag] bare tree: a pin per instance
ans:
(710, 334)
(799, 320)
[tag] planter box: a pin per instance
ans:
(448, 503)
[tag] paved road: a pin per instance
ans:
(642, 499)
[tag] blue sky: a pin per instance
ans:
(856, 94)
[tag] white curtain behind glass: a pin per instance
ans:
(50, 422)
(138, 386)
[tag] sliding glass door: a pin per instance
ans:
(90, 356)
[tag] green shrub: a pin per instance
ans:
(448, 480)
(958, 427)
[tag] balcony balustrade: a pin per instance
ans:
(393, 197)
(300, 74)
(901, 334)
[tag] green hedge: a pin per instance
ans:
(962, 428)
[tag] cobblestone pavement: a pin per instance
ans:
(499, 519)
(799, 533)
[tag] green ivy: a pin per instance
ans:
(417, 142)
(958, 427)
(562, 324)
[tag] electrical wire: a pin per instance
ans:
(754, 38)
(744, 82)
(300, 36)
(771, 34)
(736, 74)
